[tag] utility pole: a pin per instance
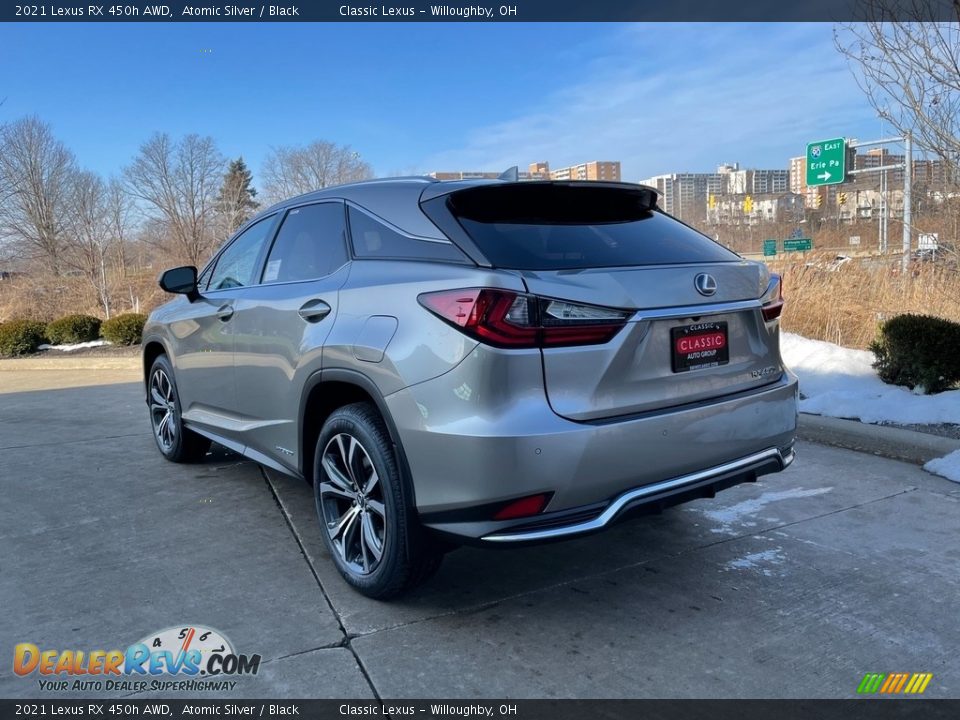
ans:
(907, 187)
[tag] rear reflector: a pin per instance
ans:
(524, 507)
(503, 318)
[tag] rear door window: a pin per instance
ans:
(310, 244)
(558, 227)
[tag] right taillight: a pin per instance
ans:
(503, 318)
(772, 299)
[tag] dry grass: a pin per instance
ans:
(843, 306)
(44, 297)
(846, 306)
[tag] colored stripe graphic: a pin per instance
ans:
(870, 683)
(894, 683)
(918, 683)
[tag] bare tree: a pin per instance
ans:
(906, 59)
(293, 170)
(177, 184)
(36, 176)
(120, 219)
(92, 240)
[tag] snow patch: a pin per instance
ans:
(736, 513)
(948, 466)
(840, 382)
(75, 346)
(755, 561)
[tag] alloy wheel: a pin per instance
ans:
(352, 503)
(163, 410)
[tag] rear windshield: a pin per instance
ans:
(556, 227)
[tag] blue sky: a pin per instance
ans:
(421, 97)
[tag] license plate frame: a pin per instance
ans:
(699, 358)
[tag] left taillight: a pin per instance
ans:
(772, 299)
(508, 319)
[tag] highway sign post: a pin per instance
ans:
(826, 162)
(798, 245)
(769, 248)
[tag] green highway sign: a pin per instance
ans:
(798, 245)
(826, 162)
(769, 247)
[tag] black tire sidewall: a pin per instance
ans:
(390, 573)
(177, 449)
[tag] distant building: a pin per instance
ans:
(604, 170)
(608, 170)
(687, 195)
(764, 207)
(477, 175)
(758, 182)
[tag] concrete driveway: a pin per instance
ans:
(793, 587)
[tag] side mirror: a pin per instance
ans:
(180, 281)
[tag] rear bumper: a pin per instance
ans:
(484, 434)
(705, 483)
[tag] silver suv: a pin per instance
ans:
(490, 362)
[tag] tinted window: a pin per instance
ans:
(310, 244)
(556, 227)
(237, 265)
(373, 239)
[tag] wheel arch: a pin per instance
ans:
(152, 349)
(327, 390)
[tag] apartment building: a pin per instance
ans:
(685, 195)
(762, 207)
(603, 170)
(608, 170)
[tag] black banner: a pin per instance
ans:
(854, 709)
(479, 11)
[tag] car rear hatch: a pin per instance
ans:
(695, 328)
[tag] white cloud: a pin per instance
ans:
(669, 98)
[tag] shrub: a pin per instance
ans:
(73, 329)
(918, 351)
(124, 329)
(20, 337)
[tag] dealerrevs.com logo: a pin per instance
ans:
(190, 657)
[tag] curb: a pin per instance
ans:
(890, 442)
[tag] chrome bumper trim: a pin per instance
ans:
(678, 483)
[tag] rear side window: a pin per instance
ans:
(557, 227)
(310, 244)
(373, 239)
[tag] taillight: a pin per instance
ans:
(517, 320)
(773, 299)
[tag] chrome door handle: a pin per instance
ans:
(225, 312)
(314, 310)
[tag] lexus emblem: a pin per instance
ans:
(705, 284)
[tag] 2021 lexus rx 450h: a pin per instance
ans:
(490, 362)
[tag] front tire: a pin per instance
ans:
(367, 519)
(175, 442)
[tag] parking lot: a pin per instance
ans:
(793, 587)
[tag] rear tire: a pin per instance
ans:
(367, 519)
(175, 442)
